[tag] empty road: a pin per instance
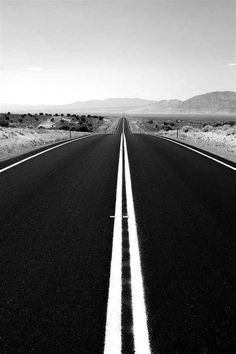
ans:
(117, 243)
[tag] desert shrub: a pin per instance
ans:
(187, 128)
(7, 118)
(84, 128)
(169, 123)
(4, 123)
(207, 128)
(217, 124)
(231, 123)
(150, 121)
(166, 127)
(52, 119)
(41, 114)
(64, 127)
(36, 118)
(8, 112)
(100, 118)
(20, 120)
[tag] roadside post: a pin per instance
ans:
(70, 132)
(177, 132)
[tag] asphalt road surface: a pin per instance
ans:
(56, 247)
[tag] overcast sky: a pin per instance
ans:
(65, 51)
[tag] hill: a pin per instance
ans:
(212, 102)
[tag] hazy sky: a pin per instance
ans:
(65, 51)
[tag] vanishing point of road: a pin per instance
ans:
(117, 243)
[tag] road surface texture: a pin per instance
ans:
(57, 215)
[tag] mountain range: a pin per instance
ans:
(211, 102)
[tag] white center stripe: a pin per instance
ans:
(113, 338)
(113, 321)
(140, 329)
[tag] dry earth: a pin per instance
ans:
(17, 141)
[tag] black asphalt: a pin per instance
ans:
(56, 241)
(185, 207)
(55, 248)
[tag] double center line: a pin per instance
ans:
(113, 335)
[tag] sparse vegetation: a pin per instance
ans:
(68, 121)
(4, 123)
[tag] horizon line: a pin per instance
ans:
(109, 98)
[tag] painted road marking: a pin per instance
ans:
(199, 152)
(44, 151)
(140, 328)
(113, 320)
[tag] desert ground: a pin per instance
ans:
(215, 134)
(20, 134)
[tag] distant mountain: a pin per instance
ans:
(212, 102)
(224, 101)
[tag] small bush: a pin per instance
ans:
(187, 128)
(4, 123)
(64, 127)
(150, 121)
(217, 124)
(84, 128)
(20, 120)
(207, 128)
(166, 127)
(231, 123)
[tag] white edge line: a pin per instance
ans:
(44, 151)
(140, 327)
(199, 152)
(113, 319)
